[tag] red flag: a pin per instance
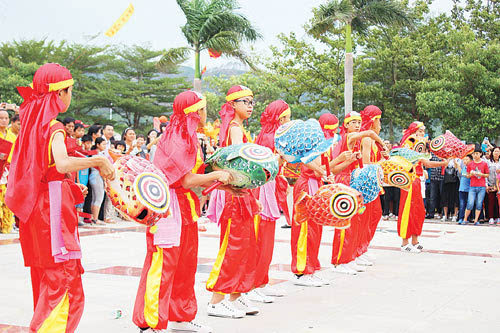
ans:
(213, 53)
(203, 70)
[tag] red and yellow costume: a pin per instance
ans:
(166, 289)
(48, 220)
(345, 241)
(373, 212)
(411, 214)
(6, 217)
(272, 195)
(234, 268)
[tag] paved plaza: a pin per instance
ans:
(453, 286)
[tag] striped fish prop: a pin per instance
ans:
(409, 154)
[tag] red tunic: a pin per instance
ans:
(411, 214)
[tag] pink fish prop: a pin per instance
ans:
(449, 146)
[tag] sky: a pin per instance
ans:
(155, 22)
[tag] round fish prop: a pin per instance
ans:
(139, 191)
(302, 141)
(368, 181)
(398, 172)
(449, 146)
(332, 205)
(411, 155)
(416, 144)
(251, 165)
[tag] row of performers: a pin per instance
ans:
(166, 297)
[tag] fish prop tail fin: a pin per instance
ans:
(300, 213)
(469, 149)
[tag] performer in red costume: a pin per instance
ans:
(272, 196)
(166, 290)
(345, 242)
(234, 270)
(329, 124)
(44, 200)
(371, 154)
(411, 206)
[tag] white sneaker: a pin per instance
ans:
(492, 221)
(306, 281)
(269, 290)
(443, 219)
(188, 326)
(356, 267)
(343, 269)
(224, 309)
(323, 281)
(454, 219)
(418, 246)
(360, 261)
(409, 249)
(245, 305)
(369, 256)
(498, 221)
(256, 296)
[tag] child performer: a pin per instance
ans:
(272, 196)
(166, 290)
(411, 205)
(44, 200)
(234, 269)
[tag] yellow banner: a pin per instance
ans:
(120, 22)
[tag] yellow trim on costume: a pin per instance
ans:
(199, 162)
(61, 85)
(419, 124)
(57, 321)
(195, 107)
(302, 248)
(377, 117)
(331, 127)
(342, 237)
(152, 294)
(256, 223)
(285, 113)
(405, 219)
(11, 137)
(192, 205)
(245, 133)
(52, 123)
(214, 274)
(239, 94)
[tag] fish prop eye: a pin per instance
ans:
(419, 147)
(152, 192)
(438, 143)
(343, 205)
(256, 153)
(399, 179)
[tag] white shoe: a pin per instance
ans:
(188, 326)
(269, 290)
(224, 309)
(443, 219)
(360, 261)
(454, 219)
(245, 305)
(306, 280)
(369, 256)
(323, 281)
(356, 267)
(344, 269)
(256, 296)
(492, 221)
(409, 249)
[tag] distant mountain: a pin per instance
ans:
(228, 69)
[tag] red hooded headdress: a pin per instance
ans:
(176, 152)
(329, 124)
(41, 105)
(227, 112)
(269, 121)
(414, 126)
(368, 116)
(353, 115)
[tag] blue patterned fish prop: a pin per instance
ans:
(250, 165)
(302, 141)
(368, 181)
(411, 155)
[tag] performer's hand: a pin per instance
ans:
(224, 177)
(3, 157)
(106, 169)
(355, 156)
(261, 208)
(345, 156)
(331, 179)
(84, 189)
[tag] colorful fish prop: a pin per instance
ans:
(415, 143)
(250, 165)
(292, 170)
(399, 172)
(449, 146)
(139, 191)
(411, 155)
(368, 181)
(332, 205)
(302, 141)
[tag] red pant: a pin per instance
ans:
(166, 289)
(265, 232)
(306, 239)
(345, 242)
(58, 298)
(411, 212)
(372, 216)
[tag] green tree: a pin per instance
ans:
(211, 24)
(357, 15)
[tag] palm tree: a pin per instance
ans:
(357, 15)
(215, 25)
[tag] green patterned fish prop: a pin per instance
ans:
(411, 155)
(251, 165)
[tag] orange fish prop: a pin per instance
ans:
(399, 172)
(332, 205)
(449, 146)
